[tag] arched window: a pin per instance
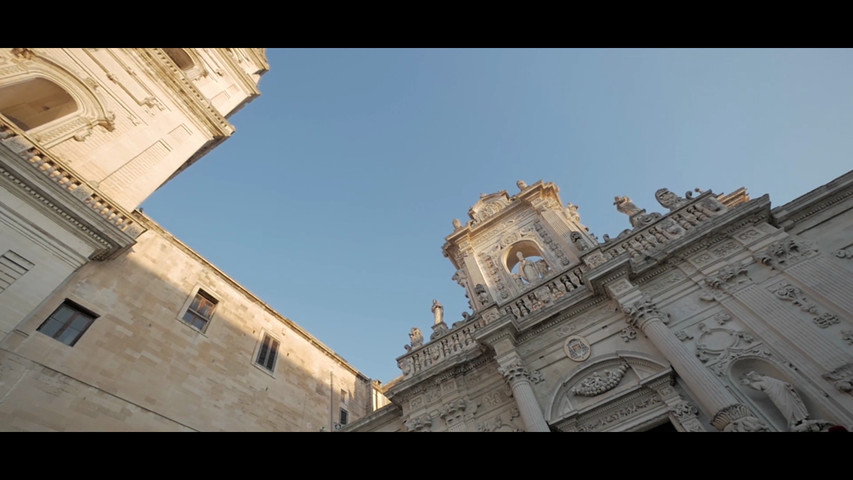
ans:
(35, 102)
(181, 58)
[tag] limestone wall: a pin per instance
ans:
(139, 367)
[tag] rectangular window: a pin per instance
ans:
(344, 417)
(200, 311)
(268, 353)
(67, 323)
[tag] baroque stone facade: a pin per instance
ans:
(717, 314)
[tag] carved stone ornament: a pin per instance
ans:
(488, 206)
(714, 342)
(841, 378)
(728, 277)
(783, 253)
(416, 339)
(737, 418)
(786, 291)
(577, 348)
(644, 310)
(600, 382)
(670, 200)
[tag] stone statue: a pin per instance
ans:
(437, 311)
(416, 338)
(482, 294)
(527, 269)
(626, 206)
(460, 277)
(457, 224)
(782, 394)
(669, 200)
(521, 184)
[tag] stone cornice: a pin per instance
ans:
(46, 181)
(163, 233)
(406, 388)
(165, 70)
(813, 202)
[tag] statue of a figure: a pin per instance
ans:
(521, 184)
(626, 206)
(456, 224)
(669, 200)
(782, 394)
(527, 269)
(416, 338)
(437, 311)
(460, 277)
(482, 294)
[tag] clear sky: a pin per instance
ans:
(332, 200)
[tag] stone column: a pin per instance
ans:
(728, 414)
(518, 379)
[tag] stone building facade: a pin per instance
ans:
(717, 313)
(108, 322)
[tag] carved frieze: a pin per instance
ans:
(621, 413)
(501, 423)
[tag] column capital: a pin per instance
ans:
(642, 311)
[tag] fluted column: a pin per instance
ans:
(728, 414)
(518, 379)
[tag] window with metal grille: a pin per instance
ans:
(344, 417)
(268, 353)
(200, 311)
(67, 323)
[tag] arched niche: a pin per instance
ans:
(759, 401)
(55, 104)
(617, 373)
(532, 254)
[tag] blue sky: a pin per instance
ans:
(332, 200)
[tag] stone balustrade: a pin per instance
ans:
(661, 230)
(67, 179)
(459, 339)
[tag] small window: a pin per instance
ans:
(200, 311)
(268, 353)
(67, 323)
(344, 418)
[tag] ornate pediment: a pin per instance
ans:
(489, 206)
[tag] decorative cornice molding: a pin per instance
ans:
(165, 69)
